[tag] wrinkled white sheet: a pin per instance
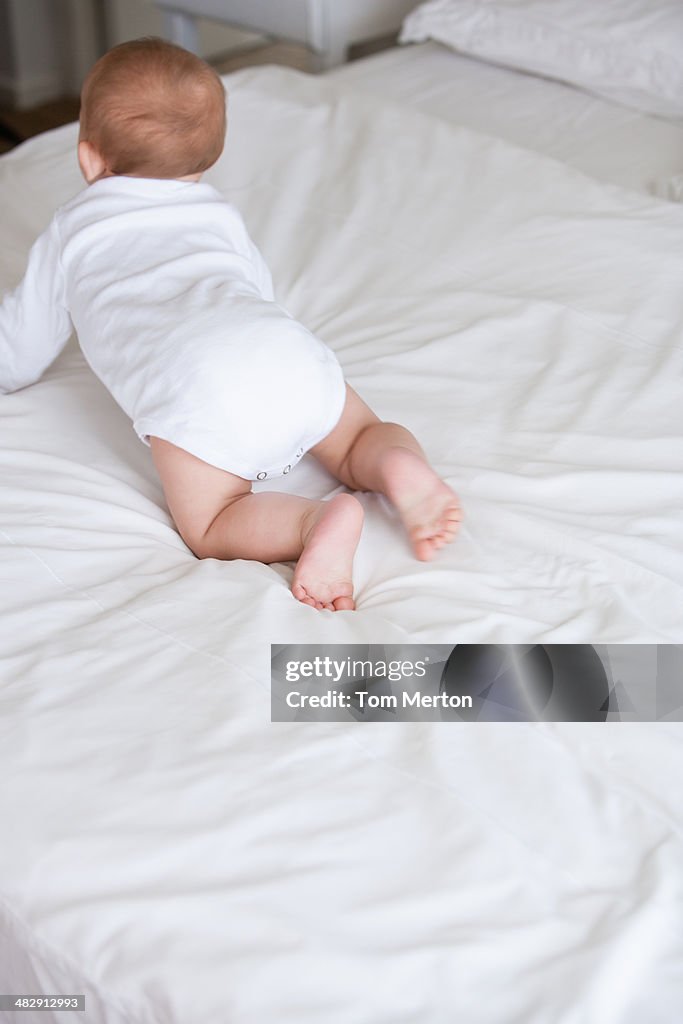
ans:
(177, 858)
(606, 140)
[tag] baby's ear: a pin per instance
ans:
(91, 162)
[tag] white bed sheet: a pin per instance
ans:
(169, 852)
(611, 142)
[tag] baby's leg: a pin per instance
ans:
(369, 455)
(218, 517)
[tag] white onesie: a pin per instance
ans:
(174, 310)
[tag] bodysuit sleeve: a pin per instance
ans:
(263, 276)
(34, 322)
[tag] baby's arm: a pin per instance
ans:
(34, 322)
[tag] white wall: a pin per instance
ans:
(47, 46)
(6, 55)
(31, 59)
(129, 19)
(83, 41)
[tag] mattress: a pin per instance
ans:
(610, 142)
(173, 855)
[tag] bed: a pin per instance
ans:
(169, 852)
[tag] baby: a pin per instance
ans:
(175, 313)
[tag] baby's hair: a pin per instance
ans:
(153, 110)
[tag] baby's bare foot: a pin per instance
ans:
(322, 577)
(429, 509)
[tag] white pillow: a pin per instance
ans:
(630, 51)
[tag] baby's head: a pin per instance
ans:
(150, 109)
